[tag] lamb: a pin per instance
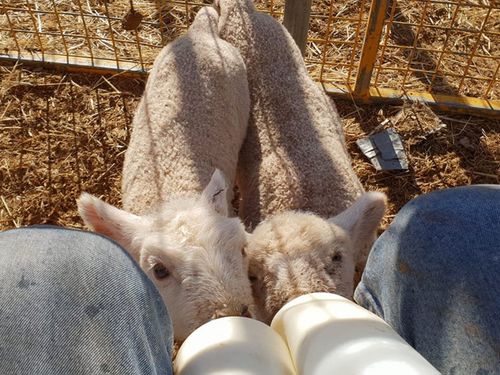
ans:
(295, 158)
(294, 253)
(191, 119)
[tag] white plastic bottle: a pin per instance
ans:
(233, 346)
(328, 334)
(315, 334)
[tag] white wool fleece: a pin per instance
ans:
(294, 156)
(191, 119)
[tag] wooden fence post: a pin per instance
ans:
(296, 20)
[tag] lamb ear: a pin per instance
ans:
(110, 221)
(216, 193)
(362, 219)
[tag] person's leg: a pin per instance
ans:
(73, 302)
(434, 276)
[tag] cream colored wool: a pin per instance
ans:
(294, 253)
(294, 155)
(295, 158)
(191, 120)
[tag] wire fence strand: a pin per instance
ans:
(447, 47)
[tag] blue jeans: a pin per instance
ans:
(434, 276)
(73, 302)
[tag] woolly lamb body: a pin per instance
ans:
(191, 119)
(294, 155)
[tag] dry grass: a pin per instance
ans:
(62, 134)
(443, 150)
(418, 33)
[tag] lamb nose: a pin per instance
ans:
(245, 312)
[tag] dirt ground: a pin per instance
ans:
(61, 134)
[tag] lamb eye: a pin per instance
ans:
(336, 258)
(160, 271)
(252, 278)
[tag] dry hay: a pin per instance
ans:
(60, 135)
(63, 134)
(443, 150)
(332, 53)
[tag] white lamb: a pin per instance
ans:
(191, 119)
(294, 158)
(294, 253)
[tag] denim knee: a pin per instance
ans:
(433, 276)
(75, 302)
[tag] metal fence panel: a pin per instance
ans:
(443, 52)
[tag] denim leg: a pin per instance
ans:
(434, 276)
(73, 302)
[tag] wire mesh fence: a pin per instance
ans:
(418, 48)
(451, 47)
